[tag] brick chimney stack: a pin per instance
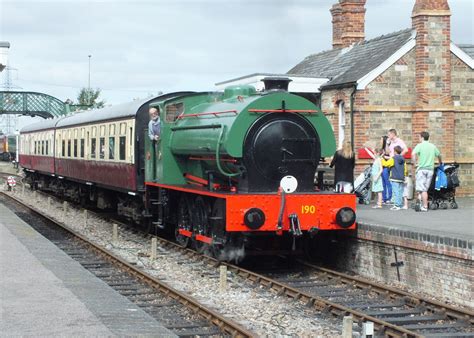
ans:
(353, 21)
(431, 20)
(337, 25)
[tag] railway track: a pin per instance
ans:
(395, 313)
(177, 311)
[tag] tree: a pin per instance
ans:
(90, 97)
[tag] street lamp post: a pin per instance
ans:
(89, 84)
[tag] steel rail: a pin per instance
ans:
(225, 324)
(449, 310)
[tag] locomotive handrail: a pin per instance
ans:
(308, 111)
(216, 114)
(206, 126)
(218, 160)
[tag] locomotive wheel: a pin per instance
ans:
(201, 212)
(184, 222)
(454, 205)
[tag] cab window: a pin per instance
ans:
(173, 110)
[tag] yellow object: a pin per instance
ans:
(387, 163)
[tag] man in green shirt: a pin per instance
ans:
(423, 157)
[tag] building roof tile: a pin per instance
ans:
(347, 65)
(468, 49)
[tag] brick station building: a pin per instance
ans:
(412, 80)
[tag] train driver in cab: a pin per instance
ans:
(154, 126)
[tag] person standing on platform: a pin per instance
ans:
(423, 157)
(376, 173)
(344, 162)
(387, 185)
(394, 141)
(397, 177)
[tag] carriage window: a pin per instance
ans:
(35, 147)
(64, 148)
(42, 147)
(111, 148)
(102, 147)
(93, 146)
(173, 111)
(46, 151)
(82, 147)
(112, 129)
(68, 148)
(122, 143)
(75, 148)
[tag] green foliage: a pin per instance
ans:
(90, 97)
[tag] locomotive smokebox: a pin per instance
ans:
(275, 83)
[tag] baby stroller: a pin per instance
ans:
(445, 196)
(362, 186)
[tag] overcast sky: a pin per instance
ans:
(142, 47)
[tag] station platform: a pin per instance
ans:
(46, 293)
(450, 231)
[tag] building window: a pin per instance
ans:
(122, 143)
(75, 148)
(68, 148)
(342, 123)
(82, 147)
(93, 147)
(102, 147)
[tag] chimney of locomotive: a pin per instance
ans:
(348, 22)
(274, 83)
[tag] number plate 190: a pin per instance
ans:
(308, 209)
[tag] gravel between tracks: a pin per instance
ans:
(258, 309)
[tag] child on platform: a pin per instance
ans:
(397, 177)
(376, 174)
